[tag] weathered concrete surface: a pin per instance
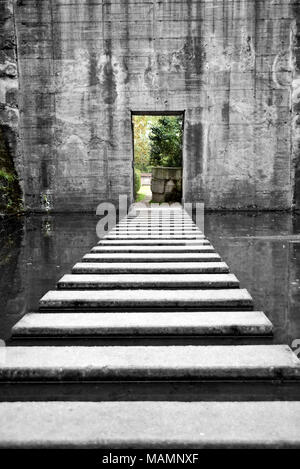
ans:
(129, 281)
(153, 257)
(104, 363)
(153, 242)
(100, 299)
(295, 39)
(150, 425)
(219, 323)
(150, 267)
(229, 64)
(151, 235)
(162, 249)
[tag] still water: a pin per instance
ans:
(262, 250)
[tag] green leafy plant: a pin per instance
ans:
(166, 142)
(137, 180)
(10, 191)
(142, 126)
(7, 177)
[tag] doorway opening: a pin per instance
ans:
(157, 140)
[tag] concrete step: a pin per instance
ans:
(150, 267)
(152, 257)
(152, 373)
(161, 223)
(150, 363)
(151, 242)
(212, 323)
(100, 300)
(135, 425)
(146, 235)
(156, 231)
(157, 281)
(130, 248)
(158, 226)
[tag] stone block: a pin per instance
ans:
(157, 186)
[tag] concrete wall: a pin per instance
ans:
(295, 42)
(86, 64)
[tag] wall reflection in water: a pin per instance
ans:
(263, 251)
(35, 252)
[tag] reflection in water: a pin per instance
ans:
(261, 249)
(35, 252)
(264, 253)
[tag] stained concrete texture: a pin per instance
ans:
(270, 362)
(121, 299)
(211, 323)
(152, 257)
(153, 242)
(142, 281)
(150, 267)
(162, 249)
(232, 66)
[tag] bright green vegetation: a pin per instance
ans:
(157, 141)
(166, 142)
(137, 180)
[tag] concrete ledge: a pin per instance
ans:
(151, 242)
(158, 224)
(143, 299)
(155, 232)
(156, 228)
(153, 236)
(153, 249)
(175, 363)
(158, 281)
(152, 257)
(213, 323)
(150, 425)
(150, 267)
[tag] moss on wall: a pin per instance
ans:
(10, 192)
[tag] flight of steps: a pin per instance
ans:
(149, 343)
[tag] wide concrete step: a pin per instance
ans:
(157, 226)
(247, 362)
(150, 267)
(146, 249)
(142, 299)
(147, 235)
(161, 221)
(212, 323)
(162, 224)
(150, 425)
(158, 281)
(153, 242)
(155, 232)
(152, 257)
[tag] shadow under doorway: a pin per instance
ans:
(157, 156)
